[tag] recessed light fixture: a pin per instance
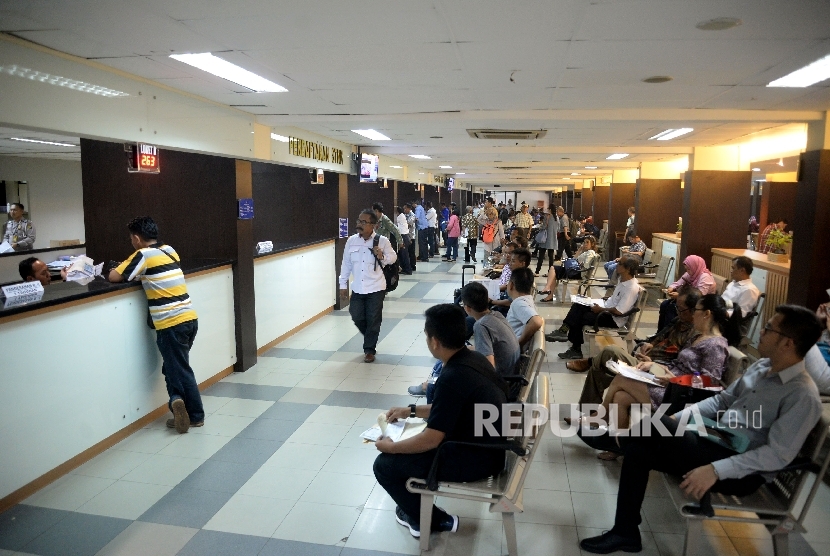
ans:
(445, 167)
(756, 169)
(617, 156)
(460, 173)
(277, 137)
(566, 178)
(420, 156)
(719, 24)
(671, 134)
(219, 67)
(398, 167)
(658, 79)
(420, 173)
(806, 76)
(81, 86)
(591, 167)
(371, 134)
(575, 174)
(42, 142)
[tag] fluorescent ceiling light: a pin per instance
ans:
(43, 142)
(575, 174)
(445, 167)
(591, 167)
(671, 134)
(396, 167)
(371, 134)
(617, 156)
(460, 173)
(277, 137)
(206, 61)
(420, 173)
(566, 178)
(420, 156)
(806, 76)
(61, 81)
(756, 169)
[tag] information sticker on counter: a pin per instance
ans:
(246, 209)
(19, 290)
(23, 299)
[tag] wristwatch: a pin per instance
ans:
(412, 410)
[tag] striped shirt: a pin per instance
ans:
(163, 283)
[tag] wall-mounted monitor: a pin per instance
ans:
(450, 184)
(368, 168)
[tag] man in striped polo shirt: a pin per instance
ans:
(175, 321)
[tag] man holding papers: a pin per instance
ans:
(581, 313)
(774, 406)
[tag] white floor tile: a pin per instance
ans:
(199, 446)
(339, 489)
(599, 479)
(112, 464)
(125, 500)
(543, 540)
(547, 476)
(250, 515)
(69, 492)
(141, 538)
(335, 415)
(293, 455)
(378, 530)
(321, 382)
(360, 385)
(672, 545)
(148, 441)
(352, 461)
(318, 523)
(279, 482)
(306, 395)
(210, 404)
(327, 434)
(281, 379)
(244, 408)
(549, 507)
(379, 499)
(285, 364)
(163, 470)
(223, 425)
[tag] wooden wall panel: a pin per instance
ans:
(777, 202)
(602, 198)
(588, 202)
(363, 195)
(715, 212)
(244, 299)
(659, 204)
(621, 197)
(431, 195)
(193, 201)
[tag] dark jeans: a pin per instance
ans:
(581, 315)
(563, 245)
(432, 238)
(174, 343)
(423, 241)
(393, 470)
(452, 248)
(668, 312)
(470, 249)
(366, 310)
(542, 251)
(411, 252)
(403, 255)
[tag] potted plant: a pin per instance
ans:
(679, 226)
(777, 241)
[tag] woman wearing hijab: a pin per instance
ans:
(696, 276)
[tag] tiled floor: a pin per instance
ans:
(279, 467)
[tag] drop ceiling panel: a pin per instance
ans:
(528, 22)
(147, 67)
(73, 43)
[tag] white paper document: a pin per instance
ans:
(632, 372)
(6, 247)
(399, 430)
(83, 270)
(587, 301)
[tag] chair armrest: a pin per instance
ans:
(432, 478)
(607, 312)
(515, 378)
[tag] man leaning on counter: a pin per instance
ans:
(19, 232)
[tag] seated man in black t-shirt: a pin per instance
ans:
(468, 379)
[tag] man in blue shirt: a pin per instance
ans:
(423, 230)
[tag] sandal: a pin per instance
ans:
(608, 456)
(546, 300)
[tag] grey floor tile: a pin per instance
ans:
(356, 343)
(186, 507)
(417, 361)
(432, 301)
(315, 354)
(22, 523)
(287, 411)
(418, 291)
(364, 399)
(281, 547)
(418, 316)
(271, 429)
(349, 551)
(247, 391)
(77, 535)
(251, 451)
(217, 543)
(218, 476)
(286, 353)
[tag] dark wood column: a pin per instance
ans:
(715, 212)
(588, 202)
(810, 271)
(340, 243)
(659, 203)
(621, 197)
(777, 202)
(244, 300)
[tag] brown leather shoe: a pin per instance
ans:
(181, 420)
(578, 365)
(369, 358)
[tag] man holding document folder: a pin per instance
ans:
(773, 407)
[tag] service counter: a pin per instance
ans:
(666, 244)
(773, 279)
(9, 262)
(80, 370)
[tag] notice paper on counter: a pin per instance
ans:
(6, 247)
(83, 270)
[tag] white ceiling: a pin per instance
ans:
(10, 147)
(415, 69)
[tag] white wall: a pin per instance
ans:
(56, 203)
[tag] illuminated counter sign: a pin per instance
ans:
(144, 159)
(314, 151)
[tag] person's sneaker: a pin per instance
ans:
(417, 390)
(556, 336)
(403, 519)
(447, 525)
(571, 354)
(181, 421)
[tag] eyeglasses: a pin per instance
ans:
(364, 221)
(698, 309)
(768, 328)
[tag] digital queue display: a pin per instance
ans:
(143, 158)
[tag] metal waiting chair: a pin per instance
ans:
(660, 279)
(585, 274)
(750, 323)
(627, 332)
(502, 492)
(774, 505)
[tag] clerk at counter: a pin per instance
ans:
(19, 232)
(32, 269)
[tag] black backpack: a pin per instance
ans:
(390, 271)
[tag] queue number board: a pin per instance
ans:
(144, 159)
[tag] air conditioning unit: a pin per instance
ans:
(507, 134)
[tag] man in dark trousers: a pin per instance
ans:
(467, 379)
(173, 317)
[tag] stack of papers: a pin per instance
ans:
(587, 301)
(399, 430)
(83, 270)
(6, 247)
(632, 372)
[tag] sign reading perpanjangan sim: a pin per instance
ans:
(315, 151)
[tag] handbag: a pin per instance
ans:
(678, 395)
(542, 237)
(462, 241)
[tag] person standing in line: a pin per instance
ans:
(403, 249)
(629, 224)
(158, 267)
(423, 233)
(563, 235)
(432, 235)
(364, 261)
(387, 228)
(524, 222)
(470, 223)
(492, 232)
(20, 232)
(453, 232)
(551, 225)
(412, 222)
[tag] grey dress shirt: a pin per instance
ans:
(22, 233)
(775, 411)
